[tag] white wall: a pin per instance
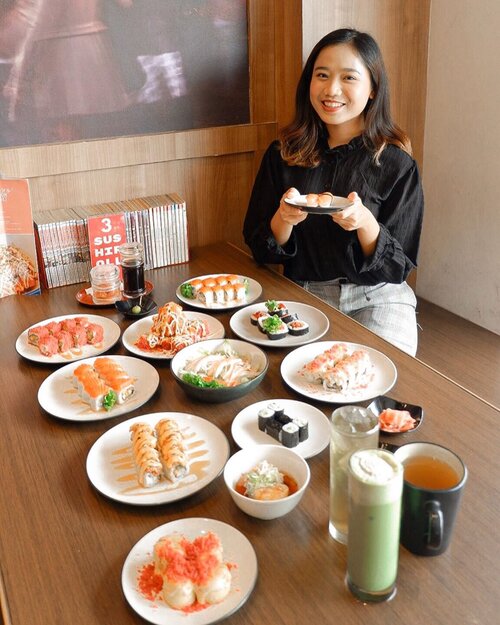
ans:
(459, 264)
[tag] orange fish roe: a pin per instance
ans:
(149, 583)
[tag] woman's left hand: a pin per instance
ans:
(354, 217)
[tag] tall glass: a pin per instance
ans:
(351, 428)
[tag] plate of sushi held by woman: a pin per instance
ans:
(287, 422)
(279, 324)
(164, 334)
(219, 568)
(157, 458)
(338, 372)
(98, 388)
(67, 338)
(219, 291)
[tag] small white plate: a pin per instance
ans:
(254, 291)
(111, 336)
(237, 551)
(58, 396)
(143, 326)
(338, 204)
(242, 326)
(245, 427)
(111, 470)
(384, 374)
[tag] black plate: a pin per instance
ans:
(147, 304)
(338, 204)
(382, 402)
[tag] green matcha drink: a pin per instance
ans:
(375, 486)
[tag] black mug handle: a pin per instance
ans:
(434, 530)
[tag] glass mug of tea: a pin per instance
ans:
(434, 479)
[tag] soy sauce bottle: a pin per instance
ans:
(132, 263)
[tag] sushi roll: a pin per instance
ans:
(290, 435)
(173, 456)
(273, 428)
(275, 328)
(260, 321)
(218, 292)
(115, 377)
(229, 292)
(54, 327)
(277, 408)
(255, 316)
(206, 295)
(276, 308)
(48, 345)
(240, 291)
(233, 279)
(36, 333)
(216, 588)
(264, 415)
(303, 425)
(297, 327)
(221, 280)
(79, 336)
(210, 282)
(288, 317)
(282, 418)
(64, 341)
(94, 391)
(68, 324)
(95, 333)
(146, 458)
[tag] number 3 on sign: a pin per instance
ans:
(106, 234)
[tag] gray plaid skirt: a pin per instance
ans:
(386, 309)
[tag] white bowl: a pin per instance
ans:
(281, 457)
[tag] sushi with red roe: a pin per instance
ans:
(298, 327)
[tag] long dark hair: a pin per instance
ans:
(299, 140)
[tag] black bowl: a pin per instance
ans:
(382, 402)
(147, 305)
(226, 393)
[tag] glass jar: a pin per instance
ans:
(105, 282)
(132, 264)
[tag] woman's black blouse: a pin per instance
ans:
(318, 248)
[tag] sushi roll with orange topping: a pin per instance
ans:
(115, 377)
(36, 333)
(146, 458)
(48, 345)
(206, 295)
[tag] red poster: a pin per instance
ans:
(18, 264)
(106, 234)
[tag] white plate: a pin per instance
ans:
(110, 465)
(142, 326)
(237, 550)
(338, 203)
(245, 427)
(111, 336)
(384, 374)
(254, 291)
(242, 326)
(58, 396)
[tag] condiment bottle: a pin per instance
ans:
(375, 487)
(105, 282)
(351, 428)
(132, 263)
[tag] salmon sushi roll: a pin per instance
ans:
(48, 345)
(94, 390)
(82, 321)
(115, 376)
(64, 341)
(54, 327)
(210, 282)
(68, 325)
(79, 335)
(229, 293)
(233, 278)
(240, 291)
(221, 280)
(36, 333)
(95, 333)
(206, 295)
(218, 292)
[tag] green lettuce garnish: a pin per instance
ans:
(197, 380)
(109, 400)
(187, 290)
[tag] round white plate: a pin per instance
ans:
(384, 374)
(242, 326)
(111, 336)
(338, 203)
(142, 326)
(111, 470)
(58, 396)
(245, 427)
(254, 291)
(237, 550)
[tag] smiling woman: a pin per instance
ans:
(343, 141)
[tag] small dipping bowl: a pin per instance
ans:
(128, 307)
(381, 403)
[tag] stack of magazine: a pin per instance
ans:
(158, 222)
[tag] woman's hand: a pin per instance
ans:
(291, 215)
(358, 217)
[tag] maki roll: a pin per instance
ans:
(297, 327)
(254, 317)
(264, 415)
(36, 333)
(206, 295)
(273, 428)
(48, 345)
(218, 292)
(289, 317)
(260, 321)
(274, 328)
(290, 435)
(276, 308)
(303, 426)
(283, 418)
(64, 341)
(277, 408)
(240, 291)
(229, 293)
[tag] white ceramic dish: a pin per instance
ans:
(285, 460)
(242, 326)
(237, 550)
(337, 204)
(111, 336)
(254, 291)
(110, 463)
(384, 374)
(58, 397)
(245, 427)
(142, 326)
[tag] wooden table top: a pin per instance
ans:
(63, 544)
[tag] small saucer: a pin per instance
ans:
(84, 295)
(337, 204)
(147, 307)
(383, 402)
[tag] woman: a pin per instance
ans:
(343, 141)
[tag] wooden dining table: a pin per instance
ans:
(63, 544)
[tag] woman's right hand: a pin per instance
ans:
(291, 215)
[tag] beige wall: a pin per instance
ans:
(459, 265)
